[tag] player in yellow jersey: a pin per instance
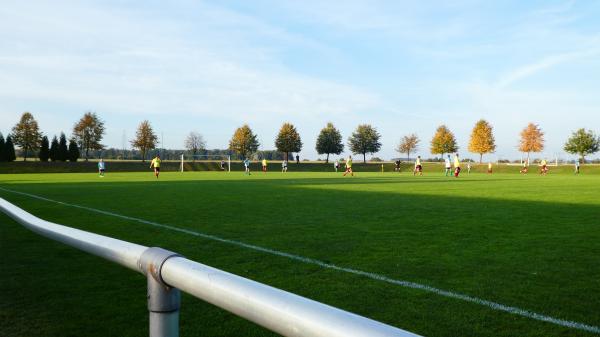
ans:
(349, 166)
(264, 165)
(156, 165)
(456, 166)
(490, 168)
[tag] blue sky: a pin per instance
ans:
(211, 66)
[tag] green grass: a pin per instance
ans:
(531, 242)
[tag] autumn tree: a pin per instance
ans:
(54, 149)
(288, 140)
(443, 141)
(26, 134)
(532, 140)
(73, 151)
(583, 142)
(145, 139)
(408, 144)
(44, 153)
(365, 139)
(63, 150)
(9, 149)
(244, 141)
(194, 142)
(482, 139)
(88, 133)
(2, 142)
(329, 141)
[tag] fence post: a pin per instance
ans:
(163, 300)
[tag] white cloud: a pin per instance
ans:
(410, 67)
(545, 63)
(140, 65)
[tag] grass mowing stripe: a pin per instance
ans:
(446, 293)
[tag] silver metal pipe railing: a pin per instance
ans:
(167, 273)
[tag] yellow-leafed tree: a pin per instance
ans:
(145, 139)
(244, 141)
(288, 140)
(482, 139)
(443, 141)
(26, 134)
(88, 133)
(532, 140)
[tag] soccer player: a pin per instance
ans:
(468, 168)
(101, 168)
(544, 165)
(525, 168)
(297, 159)
(247, 166)
(284, 165)
(264, 165)
(456, 166)
(448, 166)
(156, 165)
(222, 165)
(397, 169)
(418, 167)
(336, 165)
(577, 166)
(489, 168)
(349, 166)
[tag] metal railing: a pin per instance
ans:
(167, 273)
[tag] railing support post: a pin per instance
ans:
(163, 307)
(163, 301)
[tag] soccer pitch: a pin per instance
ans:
(482, 255)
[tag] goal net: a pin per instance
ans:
(205, 162)
(535, 159)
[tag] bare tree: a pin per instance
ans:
(408, 144)
(195, 143)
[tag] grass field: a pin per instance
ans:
(529, 242)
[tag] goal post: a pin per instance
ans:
(552, 159)
(205, 158)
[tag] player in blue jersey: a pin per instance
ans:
(101, 168)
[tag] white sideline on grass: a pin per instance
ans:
(407, 284)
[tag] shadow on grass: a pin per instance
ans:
(537, 255)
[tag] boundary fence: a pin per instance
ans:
(168, 273)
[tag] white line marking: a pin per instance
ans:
(407, 284)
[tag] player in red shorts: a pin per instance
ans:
(418, 167)
(456, 166)
(544, 165)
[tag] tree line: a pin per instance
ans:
(86, 138)
(366, 140)
(89, 131)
